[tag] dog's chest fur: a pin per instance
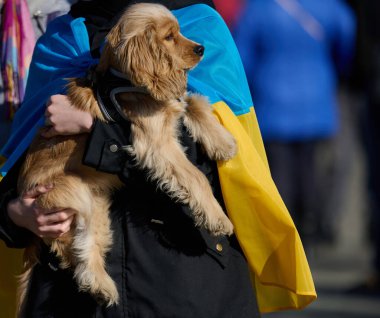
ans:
(153, 124)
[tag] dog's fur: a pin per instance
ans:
(147, 46)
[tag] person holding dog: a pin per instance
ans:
(164, 266)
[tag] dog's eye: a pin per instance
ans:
(169, 37)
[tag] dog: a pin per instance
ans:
(147, 47)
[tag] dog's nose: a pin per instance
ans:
(199, 50)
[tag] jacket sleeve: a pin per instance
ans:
(11, 234)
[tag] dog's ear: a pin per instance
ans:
(150, 66)
(113, 41)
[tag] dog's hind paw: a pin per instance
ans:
(109, 294)
(99, 284)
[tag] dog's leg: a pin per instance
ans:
(91, 248)
(185, 182)
(161, 153)
(218, 143)
(91, 236)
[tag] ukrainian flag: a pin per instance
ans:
(264, 228)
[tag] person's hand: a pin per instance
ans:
(24, 212)
(61, 118)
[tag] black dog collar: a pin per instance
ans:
(107, 86)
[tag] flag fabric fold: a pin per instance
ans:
(263, 226)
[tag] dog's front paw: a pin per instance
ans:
(213, 218)
(227, 147)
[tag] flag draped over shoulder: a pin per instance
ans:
(18, 41)
(263, 226)
(62, 52)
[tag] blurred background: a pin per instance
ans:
(313, 68)
(314, 72)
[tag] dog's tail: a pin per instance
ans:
(90, 238)
(31, 255)
(68, 192)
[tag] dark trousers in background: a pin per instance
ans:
(371, 129)
(294, 170)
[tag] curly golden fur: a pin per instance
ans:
(147, 46)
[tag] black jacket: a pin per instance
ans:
(163, 265)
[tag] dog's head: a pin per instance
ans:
(146, 44)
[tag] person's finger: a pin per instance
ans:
(58, 217)
(55, 230)
(37, 191)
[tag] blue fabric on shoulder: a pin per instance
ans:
(220, 75)
(62, 52)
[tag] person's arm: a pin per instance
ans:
(12, 235)
(21, 212)
(19, 215)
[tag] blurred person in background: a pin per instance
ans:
(365, 82)
(294, 52)
(230, 10)
(42, 12)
